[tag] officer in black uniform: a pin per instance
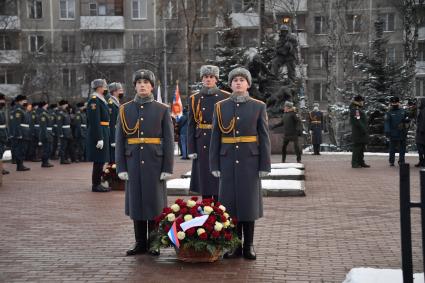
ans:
(45, 134)
(80, 131)
(65, 133)
(116, 93)
(4, 133)
(315, 119)
(359, 132)
(98, 132)
(20, 131)
(53, 109)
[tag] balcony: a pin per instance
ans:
(285, 6)
(108, 56)
(245, 20)
(10, 56)
(420, 68)
(10, 90)
(102, 23)
(10, 23)
(302, 39)
(421, 33)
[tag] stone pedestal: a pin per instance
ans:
(276, 139)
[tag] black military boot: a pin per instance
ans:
(5, 172)
(46, 164)
(140, 247)
(237, 252)
(65, 161)
(151, 228)
(20, 166)
(248, 242)
(99, 189)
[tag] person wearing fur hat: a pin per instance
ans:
(315, 119)
(45, 134)
(20, 131)
(65, 132)
(80, 131)
(116, 92)
(201, 108)
(359, 132)
(144, 155)
(98, 132)
(240, 156)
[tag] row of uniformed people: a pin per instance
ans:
(228, 141)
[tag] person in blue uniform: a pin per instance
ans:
(65, 132)
(116, 92)
(80, 131)
(45, 134)
(20, 131)
(315, 119)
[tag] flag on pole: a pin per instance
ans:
(158, 94)
(172, 234)
(177, 106)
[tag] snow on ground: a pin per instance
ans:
(287, 165)
(366, 153)
(274, 172)
(371, 275)
(7, 155)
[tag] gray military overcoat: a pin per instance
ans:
(240, 163)
(145, 193)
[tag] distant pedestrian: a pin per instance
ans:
(45, 134)
(20, 131)
(359, 132)
(315, 119)
(116, 92)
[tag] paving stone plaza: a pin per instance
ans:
(54, 229)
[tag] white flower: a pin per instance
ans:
(226, 215)
(181, 235)
(226, 224)
(106, 171)
(114, 166)
(218, 226)
(222, 207)
(188, 217)
(208, 209)
(191, 203)
(171, 217)
(175, 207)
(200, 231)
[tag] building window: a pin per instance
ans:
(101, 10)
(139, 9)
(93, 9)
(35, 9)
(353, 23)
(319, 59)
(8, 8)
(170, 11)
(242, 6)
(36, 43)
(203, 8)
(203, 43)
(140, 41)
(69, 78)
(68, 43)
(104, 41)
(390, 52)
(67, 9)
(319, 92)
(388, 21)
(5, 42)
(319, 25)
(6, 76)
(420, 86)
(421, 51)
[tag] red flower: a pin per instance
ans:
(211, 220)
(179, 201)
(235, 221)
(194, 211)
(228, 236)
(179, 221)
(203, 236)
(215, 234)
(183, 211)
(167, 228)
(223, 218)
(208, 227)
(217, 203)
(167, 210)
(194, 198)
(190, 231)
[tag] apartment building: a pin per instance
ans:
(52, 49)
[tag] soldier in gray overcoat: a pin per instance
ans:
(144, 155)
(116, 93)
(201, 110)
(239, 156)
(98, 132)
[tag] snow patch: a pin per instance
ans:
(371, 275)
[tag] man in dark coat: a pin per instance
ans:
(144, 155)
(359, 132)
(80, 131)
(201, 111)
(98, 132)
(239, 156)
(64, 131)
(45, 134)
(420, 131)
(53, 115)
(315, 119)
(20, 131)
(116, 93)
(4, 133)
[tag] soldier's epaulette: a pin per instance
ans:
(226, 92)
(127, 103)
(221, 101)
(194, 93)
(256, 100)
(163, 104)
(93, 97)
(110, 101)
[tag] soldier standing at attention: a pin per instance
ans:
(45, 134)
(144, 156)
(20, 131)
(54, 110)
(240, 156)
(4, 133)
(116, 93)
(98, 132)
(65, 132)
(315, 119)
(359, 132)
(80, 132)
(395, 128)
(201, 110)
